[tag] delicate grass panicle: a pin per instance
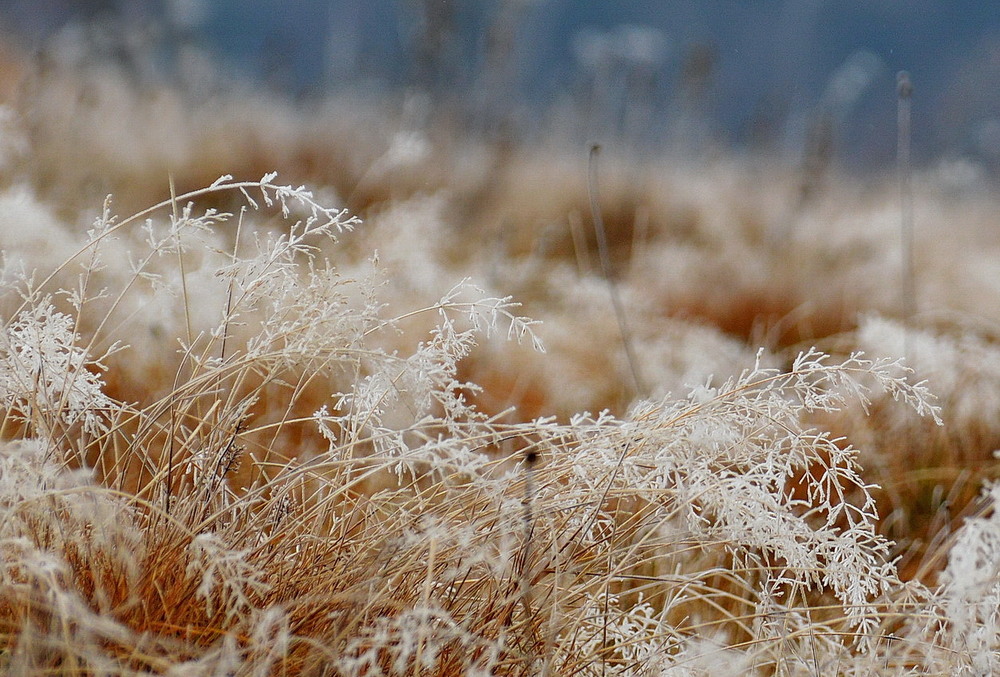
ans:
(971, 594)
(314, 491)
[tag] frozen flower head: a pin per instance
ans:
(46, 376)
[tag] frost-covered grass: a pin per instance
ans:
(247, 432)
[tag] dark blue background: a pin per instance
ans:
(775, 59)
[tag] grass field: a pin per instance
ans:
(380, 401)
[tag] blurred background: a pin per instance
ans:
(775, 77)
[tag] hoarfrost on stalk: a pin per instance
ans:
(45, 373)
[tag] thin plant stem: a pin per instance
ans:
(904, 91)
(602, 249)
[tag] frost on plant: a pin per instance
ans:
(734, 467)
(971, 592)
(316, 489)
(46, 377)
(228, 582)
(415, 639)
(415, 408)
(54, 525)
